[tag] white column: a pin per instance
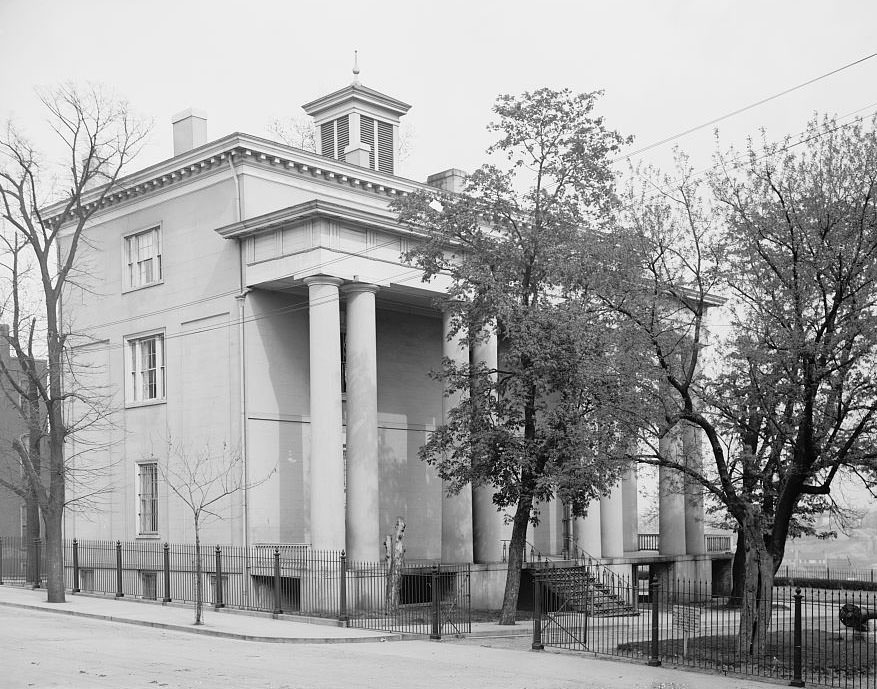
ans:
(671, 500)
(692, 437)
(630, 499)
(611, 523)
(587, 531)
(327, 460)
(691, 450)
(456, 509)
(488, 524)
(363, 529)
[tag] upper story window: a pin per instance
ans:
(143, 258)
(145, 369)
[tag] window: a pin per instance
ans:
(146, 368)
(148, 498)
(334, 137)
(143, 258)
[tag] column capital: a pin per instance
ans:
(323, 280)
(356, 287)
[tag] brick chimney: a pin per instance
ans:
(452, 180)
(190, 130)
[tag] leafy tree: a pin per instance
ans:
(787, 401)
(537, 427)
(44, 215)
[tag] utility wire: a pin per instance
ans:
(628, 156)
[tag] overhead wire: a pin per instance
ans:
(738, 111)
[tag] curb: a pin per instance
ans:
(192, 629)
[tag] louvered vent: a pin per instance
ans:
(367, 136)
(385, 147)
(327, 138)
(343, 135)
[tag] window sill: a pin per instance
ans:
(128, 290)
(148, 537)
(145, 403)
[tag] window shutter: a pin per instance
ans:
(367, 136)
(385, 147)
(343, 135)
(327, 136)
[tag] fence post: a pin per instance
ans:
(797, 680)
(343, 617)
(537, 644)
(36, 569)
(1, 560)
(167, 574)
(277, 608)
(218, 581)
(75, 566)
(119, 593)
(654, 659)
(436, 632)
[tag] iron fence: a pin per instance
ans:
(815, 637)
(827, 573)
(277, 578)
(22, 562)
(432, 598)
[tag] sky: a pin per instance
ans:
(664, 66)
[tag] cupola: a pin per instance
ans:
(358, 125)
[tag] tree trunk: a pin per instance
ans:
(516, 560)
(32, 534)
(738, 571)
(54, 555)
(395, 553)
(199, 585)
(756, 605)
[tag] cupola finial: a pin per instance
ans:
(356, 68)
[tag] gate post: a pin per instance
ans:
(343, 617)
(1, 560)
(75, 566)
(436, 633)
(654, 660)
(797, 680)
(537, 644)
(218, 603)
(167, 574)
(119, 593)
(277, 608)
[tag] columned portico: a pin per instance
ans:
(671, 500)
(630, 499)
(488, 525)
(691, 450)
(327, 460)
(456, 509)
(588, 531)
(611, 523)
(363, 531)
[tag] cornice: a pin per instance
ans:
(307, 211)
(240, 149)
(356, 92)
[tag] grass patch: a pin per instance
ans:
(825, 654)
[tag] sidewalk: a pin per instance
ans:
(226, 623)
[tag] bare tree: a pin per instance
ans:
(43, 228)
(202, 479)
